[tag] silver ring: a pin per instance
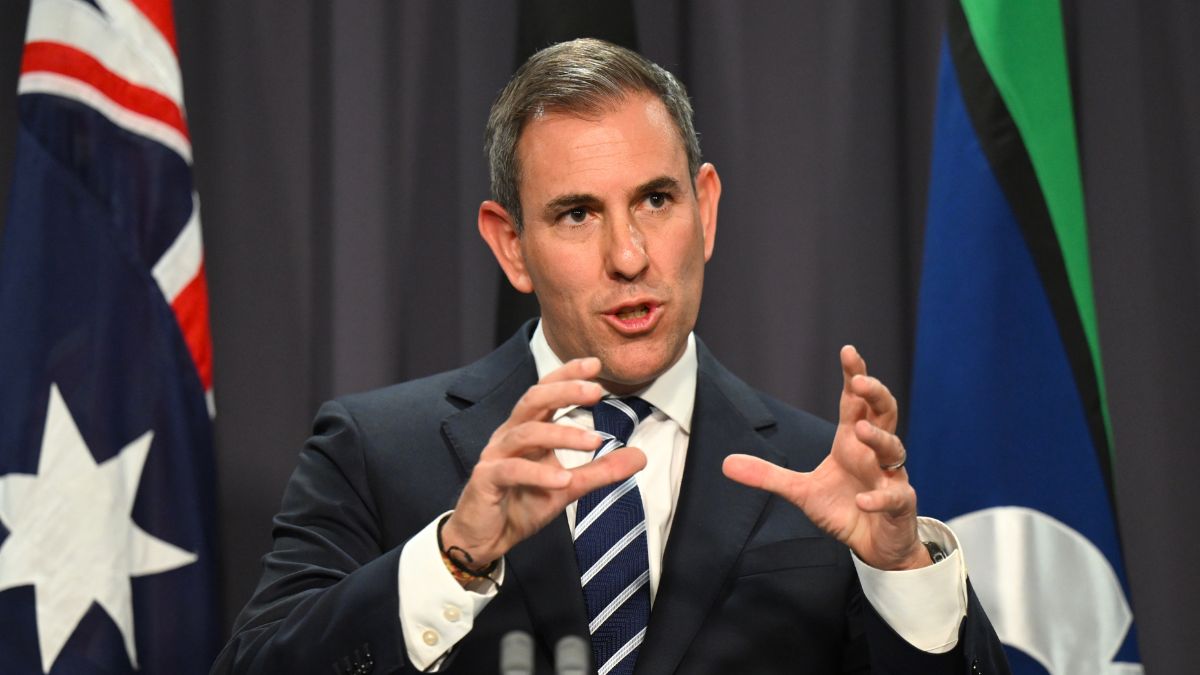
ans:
(897, 466)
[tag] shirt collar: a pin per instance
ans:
(673, 392)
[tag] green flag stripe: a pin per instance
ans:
(1009, 158)
(1022, 45)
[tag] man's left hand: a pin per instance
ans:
(854, 494)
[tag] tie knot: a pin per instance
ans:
(618, 416)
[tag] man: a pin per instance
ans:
(428, 519)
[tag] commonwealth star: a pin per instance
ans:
(72, 535)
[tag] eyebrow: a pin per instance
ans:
(576, 199)
(564, 202)
(660, 184)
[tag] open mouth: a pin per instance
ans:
(631, 313)
(635, 318)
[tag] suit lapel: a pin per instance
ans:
(543, 565)
(714, 516)
(487, 390)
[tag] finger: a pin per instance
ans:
(528, 437)
(759, 473)
(889, 450)
(851, 407)
(897, 499)
(575, 369)
(852, 364)
(541, 400)
(875, 393)
(564, 386)
(614, 467)
(517, 472)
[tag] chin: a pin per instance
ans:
(631, 374)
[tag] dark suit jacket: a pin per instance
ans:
(749, 584)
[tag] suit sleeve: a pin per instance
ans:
(327, 600)
(978, 651)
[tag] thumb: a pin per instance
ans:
(759, 473)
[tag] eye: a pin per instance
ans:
(657, 200)
(574, 217)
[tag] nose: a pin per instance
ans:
(626, 256)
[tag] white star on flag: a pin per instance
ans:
(72, 535)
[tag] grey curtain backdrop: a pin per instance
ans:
(338, 157)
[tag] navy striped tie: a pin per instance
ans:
(610, 545)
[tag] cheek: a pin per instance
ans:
(691, 264)
(563, 285)
(689, 282)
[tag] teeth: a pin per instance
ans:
(634, 313)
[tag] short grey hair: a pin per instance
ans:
(585, 76)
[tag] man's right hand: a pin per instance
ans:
(518, 486)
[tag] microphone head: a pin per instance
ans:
(516, 653)
(573, 656)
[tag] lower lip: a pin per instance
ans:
(636, 325)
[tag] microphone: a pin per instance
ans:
(572, 656)
(516, 653)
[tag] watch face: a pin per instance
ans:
(936, 552)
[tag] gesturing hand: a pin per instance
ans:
(518, 486)
(853, 494)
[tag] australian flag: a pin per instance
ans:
(106, 467)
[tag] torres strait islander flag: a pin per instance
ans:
(1009, 430)
(106, 465)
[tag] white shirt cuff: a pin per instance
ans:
(435, 611)
(924, 606)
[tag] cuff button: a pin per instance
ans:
(430, 638)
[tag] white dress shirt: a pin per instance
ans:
(925, 606)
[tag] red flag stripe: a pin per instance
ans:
(54, 57)
(158, 12)
(191, 311)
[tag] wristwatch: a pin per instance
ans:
(935, 551)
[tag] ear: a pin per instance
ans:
(498, 229)
(708, 195)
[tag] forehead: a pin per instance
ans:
(631, 141)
